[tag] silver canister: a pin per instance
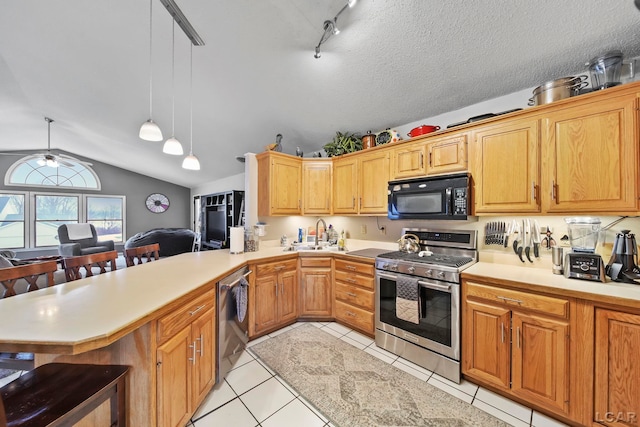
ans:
(557, 259)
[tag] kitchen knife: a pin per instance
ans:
(527, 239)
(536, 239)
(516, 234)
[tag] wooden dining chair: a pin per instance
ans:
(135, 256)
(74, 266)
(61, 394)
(25, 277)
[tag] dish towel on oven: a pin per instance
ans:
(407, 307)
(240, 295)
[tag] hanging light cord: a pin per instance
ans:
(150, 58)
(173, 79)
(191, 97)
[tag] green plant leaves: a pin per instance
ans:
(343, 143)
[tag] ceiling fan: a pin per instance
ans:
(49, 159)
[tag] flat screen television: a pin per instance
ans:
(216, 226)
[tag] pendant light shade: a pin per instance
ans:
(172, 146)
(191, 162)
(150, 131)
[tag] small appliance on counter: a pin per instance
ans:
(623, 265)
(582, 262)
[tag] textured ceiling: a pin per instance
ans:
(86, 65)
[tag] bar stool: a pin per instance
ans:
(61, 394)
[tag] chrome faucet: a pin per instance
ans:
(325, 228)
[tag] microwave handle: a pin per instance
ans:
(448, 201)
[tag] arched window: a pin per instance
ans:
(35, 171)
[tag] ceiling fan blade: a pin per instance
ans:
(74, 159)
(64, 163)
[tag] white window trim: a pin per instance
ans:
(19, 162)
(30, 212)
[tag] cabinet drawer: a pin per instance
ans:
(354, 267)
(517, 299)
(173, 322)
(355, 296)
(357, 317)
(354, 279)
(315, 262)
(276, 267)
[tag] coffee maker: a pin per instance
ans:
(623, 265)
(582, 262)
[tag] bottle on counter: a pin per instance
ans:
(332, 235)
(341, 241)
(300, 235)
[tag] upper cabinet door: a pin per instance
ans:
(373, 183)
(446, 155)
(345, 185)
(591, 158)
(408, 161)
(506, 167)
(316, 187)
(279, 184)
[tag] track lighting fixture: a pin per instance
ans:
(330, 28)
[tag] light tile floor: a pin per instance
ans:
(252, 395)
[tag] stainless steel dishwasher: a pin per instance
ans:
(232, 333)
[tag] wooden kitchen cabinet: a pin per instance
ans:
(279, 184)
(345, 185)
(274, 300)
(616, 388)
(316, 187)
(447, 154)
(185, 360)
(316, 290)
(517, 342)
(355, 295)
(408, 160)
(590, 157)
(373, 182)
(360, 183)
(505, 164)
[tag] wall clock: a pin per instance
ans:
(157, 203)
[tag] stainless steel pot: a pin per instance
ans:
(558, 89)
(409, 243)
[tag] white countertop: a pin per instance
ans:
(543, 279)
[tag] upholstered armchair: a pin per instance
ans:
(81, 239)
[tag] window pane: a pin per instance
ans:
(72, 173)
(12, 221)
(57, 208)
(51, 212)
(106, 215)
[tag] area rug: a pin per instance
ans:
(354, 389)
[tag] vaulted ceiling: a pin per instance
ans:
(86, 65)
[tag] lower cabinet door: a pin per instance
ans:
(540, 370)
(485, 343)
(174, 380)
(204, 368)
(288, 296)
(617, 389)
(265, 304)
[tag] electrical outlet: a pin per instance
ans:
(363, 229)
(383, 230)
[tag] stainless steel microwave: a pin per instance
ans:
(439, 197)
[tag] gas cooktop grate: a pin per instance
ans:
(446, 260)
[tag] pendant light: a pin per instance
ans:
(149, 131)
(191, 162)
(172, 145)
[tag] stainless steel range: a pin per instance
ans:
(418, 299)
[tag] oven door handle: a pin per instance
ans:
(386, 275)
(446, 288)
